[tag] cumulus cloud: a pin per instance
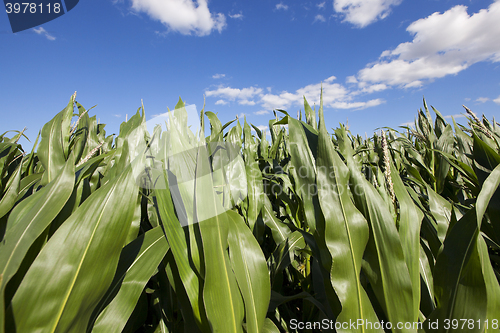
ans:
(218, 76)
(42, 31)
(364, 12)
(221, 102)
(281, 5)
(184, 16)
(497, 100)
(335, 95)
(443, 44)
(246, 102)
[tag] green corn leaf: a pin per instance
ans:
(410, 219)
(61, 288)
(458, 279)
(279, 230)
(460, 276)
(138, 262)
(8, 199)
(53, 148)
(250, 269)
(253, 176)
(444, 143)
(302, 146)
(385, 262)
(441, 211)
(221, 295)
(492, 286)
(346, 232)
(176, 236)
(427, 301)
(310, 114)
(269, 327)
(255, 191)
(28, 221)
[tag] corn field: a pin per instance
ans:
(305, 230)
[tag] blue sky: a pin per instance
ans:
(376, 60)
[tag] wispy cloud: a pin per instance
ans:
(184, 16)
(364, 12)
(221, 102)
(261, 112)
(117, 115)
(482, 99)
(497, 100)
(236, 16)
(218, 76)
(408, 124)
(281, 5)
(443, 44)
(458, 115)
(321, 5)
(42, 31)
(320, 18)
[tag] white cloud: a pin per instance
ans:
(117, 115)
(184, 16)
(443, 44)
(221, 102)
(364, 12)
(42, 31)
(261, 112)
(282, 101)
(458, 115)
(242, 95)
(357, 105)
(482, 99)
(321, 5)
(237, 16)
(351, 79)
(319, 18)
(335, 95)
(281, 5)
(408, 123)
(497, 100)
(218, 76)
(246, 102)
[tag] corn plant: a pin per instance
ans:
(165, 229)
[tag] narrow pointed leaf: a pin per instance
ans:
(138, 262)
(61, 289)
(250, 268)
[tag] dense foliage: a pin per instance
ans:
(172, 231)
